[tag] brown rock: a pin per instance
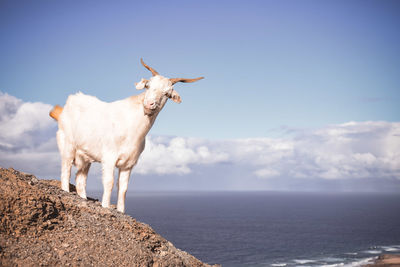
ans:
(42, 225)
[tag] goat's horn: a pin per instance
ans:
(183, 80)
(153, 71)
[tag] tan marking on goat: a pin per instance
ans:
(56, 112)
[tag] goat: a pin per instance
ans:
(113, 133)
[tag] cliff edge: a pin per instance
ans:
(42, 225)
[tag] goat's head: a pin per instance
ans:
(159, 89)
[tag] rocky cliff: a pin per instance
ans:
(42, 225)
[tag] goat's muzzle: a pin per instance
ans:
(149, 109)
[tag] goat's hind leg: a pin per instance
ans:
(81, 176)
(66, 164)
(67, 156)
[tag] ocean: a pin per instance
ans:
(274, 229)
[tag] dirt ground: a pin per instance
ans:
(42, 225)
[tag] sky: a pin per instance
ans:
(297, 95)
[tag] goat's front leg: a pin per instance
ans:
(123, 181)
(108, 183)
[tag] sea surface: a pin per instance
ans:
(274, 229)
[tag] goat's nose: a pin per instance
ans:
(151, 104)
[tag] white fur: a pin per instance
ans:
(114, 134)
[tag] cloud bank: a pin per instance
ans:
(344, 151)
(353, 150)
(349, 150)
(27, 136)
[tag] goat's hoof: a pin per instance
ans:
(83, 196)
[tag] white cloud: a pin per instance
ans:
(350, 150)
(175, 155)
(22, 123)
(345, 151)
(27, 136)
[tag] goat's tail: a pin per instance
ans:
(56, 112)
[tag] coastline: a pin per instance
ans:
(392, 260)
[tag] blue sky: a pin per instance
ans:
(274, 69)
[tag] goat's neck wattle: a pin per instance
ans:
(146, 120)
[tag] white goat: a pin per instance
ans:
(111, 133)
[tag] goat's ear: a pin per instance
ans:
(175, 97)
(142, 84)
